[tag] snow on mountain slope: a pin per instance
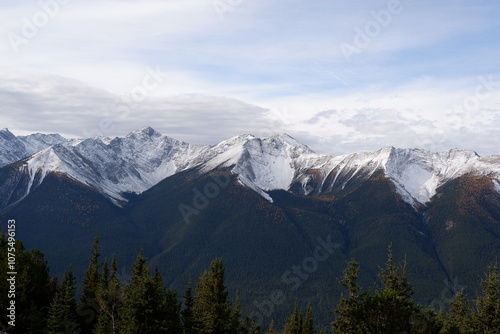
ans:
(11, 148)
(279, 162)
(134, 163)
(496, 184)
(416, 173)
(143, 158)
(261, 164)
(14, 148)
(36, 142)
(421, 172)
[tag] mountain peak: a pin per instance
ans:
(5, 132)
(286, 138)
(145, 131)
(282, 135)
(468, 153)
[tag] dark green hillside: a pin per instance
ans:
(258, 240)
(375, 217)
(464, 219)
(62, 216)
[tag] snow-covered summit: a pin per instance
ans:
(262, 164)
(143, 133)
(14, 148)
(416, 173)
(133, 163)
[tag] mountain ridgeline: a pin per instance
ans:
(285, 220)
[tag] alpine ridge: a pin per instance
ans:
(14, 148)
(141, 159)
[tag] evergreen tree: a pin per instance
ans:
(391, 309)
(157, 304)
(109, 297)
(487, 319)
(458, 317)
(33, 299)
(308, 327)
(386, 312)
(248, 326)
(212, 310)
(173, 308)
(63, 316)
(349, 310)
(147, 307)
(34, 290)
(187, 312)
(270, 330)
(294, 324)
(235, 314)
(133, 304)
(144, 304)
(91, 281)
(395, 278)
(102, 324)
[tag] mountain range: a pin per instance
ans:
(262, 204)
(143, 158)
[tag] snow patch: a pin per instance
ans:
(496, 185)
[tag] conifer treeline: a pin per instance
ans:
(391, 309)
(145, 306)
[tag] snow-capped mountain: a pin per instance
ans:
(14, 148)
(416, 173)
(261, 164)
(133, 163)
(143, 158)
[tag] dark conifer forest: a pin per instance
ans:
(101, 304)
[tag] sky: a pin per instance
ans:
(339, 76)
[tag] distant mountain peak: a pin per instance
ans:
(145, 131)
(6, 133)
(281, 135)
(463, 152)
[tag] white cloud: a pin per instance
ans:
(281, 57)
